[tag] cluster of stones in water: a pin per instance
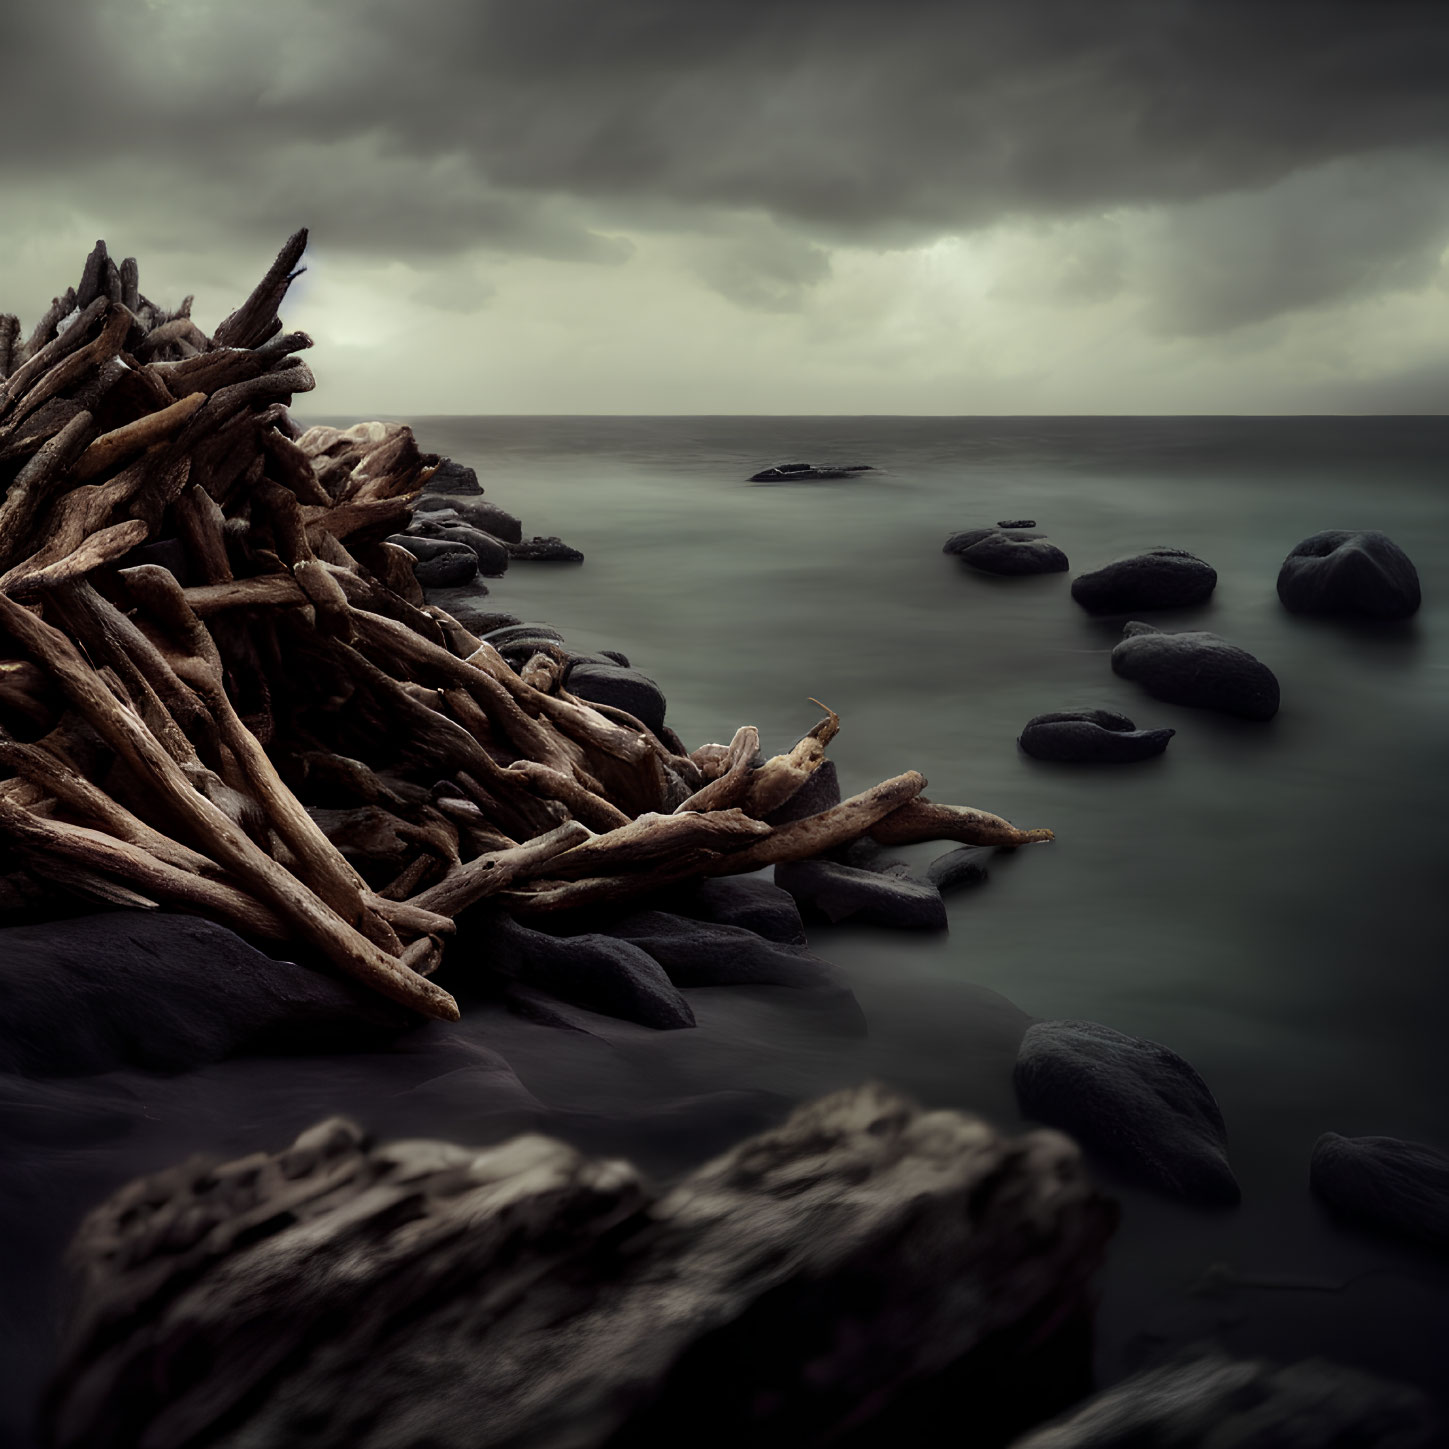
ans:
(455, 534)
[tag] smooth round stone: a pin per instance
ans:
(1137, 1103)
(1161, 578)
(878, 898)
(492, 555)
(481, 514)
(422, 547)
(1198, 669)
(626, 689)
(1362, 573)
(1091, 736)
(1393, 1187)
(998, 551)
(458, 565)
(511, 638)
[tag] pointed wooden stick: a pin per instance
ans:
(924, 819)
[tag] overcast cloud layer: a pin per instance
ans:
(765, 205)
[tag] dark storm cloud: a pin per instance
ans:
(414, 127)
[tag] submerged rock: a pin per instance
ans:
(820, 1275)
(848, 893)
(1381, 1183)
(1161, 578)
(1214, 1402)
(545, 550)
(1137, 1103)
(166, 993)
(1197, 668)
(1090, 736)
(1341, 572)
(999, 551)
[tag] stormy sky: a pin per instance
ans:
(750, 206)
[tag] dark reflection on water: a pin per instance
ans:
(1264, 898)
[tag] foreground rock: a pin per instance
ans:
(454, 479)
(350, 1296)
(477, 512)
(1340, 572)
(1161, 578)
(1137, 1103)
(1001, 551)
(1198, 669)
(166, 993)
(888, 897)
(628, 689)
(1386, 1185)
(1090, 736)
(1214, 1402)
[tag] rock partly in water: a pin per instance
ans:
(1198, 669)
(1214, 1402)
(1139, 1105)
(1010, 553)
(888, 897)
(838, 1269)
(165, 993)
(1363, 573)
(598, 972)
(626, 689)
(1161, 578)
(492, 554)
(545, 550)
(453, 478)
(1393, 1187)
(477, 513)
(1016, 523)
(750, 902)
(801, 472)
(1090, 736)
(449, 569)
(966, 865)
(481, 622)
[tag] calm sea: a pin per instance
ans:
(1264, 899)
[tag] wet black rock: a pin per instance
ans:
(889, 897)
(802, 472)
(1393, 1187)
(477, 513)
(1138, 1104)
(448, 570)
(516, 637)
(421, 547)
(165, 993)
(1161, 578)
(1214, 1402)
(602, 973)
(817, 1277)
(966, 865)
(1090, 736)
(821, 791)
(1197, 668)
(545, 550)
(1362, 573)
(1016, 523)
(999, 551)
(452, 478)
(491, 553)
(626, 689)
(481, 622)
(615, 657)
(748, 901)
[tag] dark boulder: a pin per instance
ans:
(1081, 736)
(1209, 1401)
(452, 478)
(448, 570)
(748, 901)
(1381, 1183)
(481, 622)
(889, 897)
(517, 637)
(626, 689)
(599, 972)
(809, 1282)
(545, 550)
(1016, 523)
(422, 547)
(1362, 573)
(492, 554)
(821, 791)
(481, 514)
(966, 865)
(615, 657)
(1197, 668)
(1010, 553)
(166, 993)
(1141, 1106)
(1161, 578)
(800, 472)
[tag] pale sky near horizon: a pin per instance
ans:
(764, 206)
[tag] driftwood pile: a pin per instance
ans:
(222, 691)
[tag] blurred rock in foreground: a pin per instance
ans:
(849, 1275)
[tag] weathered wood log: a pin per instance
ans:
(923, 819)
(45, 330)
(9, 343)
(489, 874)
(71, 369)
(729, 787)
(131, 438)
(104, 546)
(251, 322)
(35, 480)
